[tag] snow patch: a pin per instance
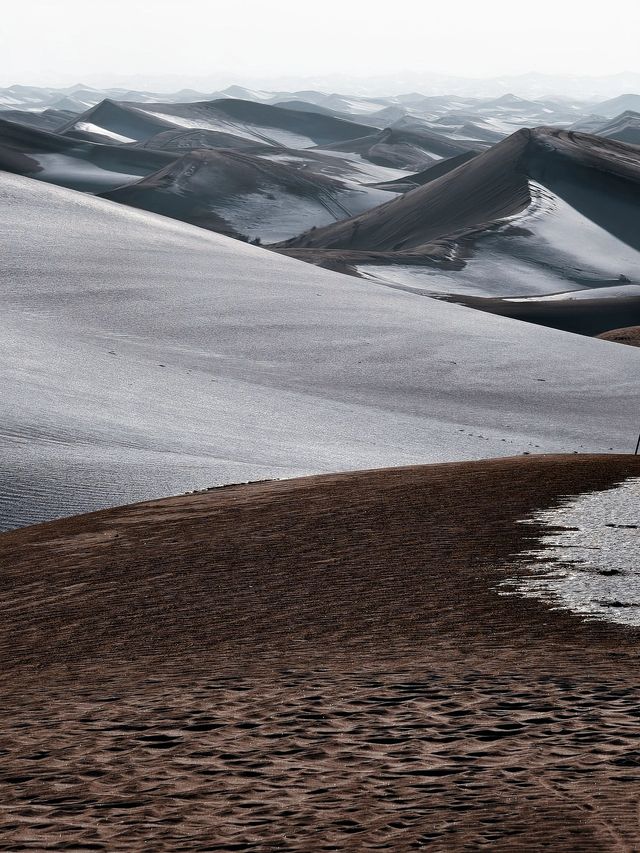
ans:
(590, 562)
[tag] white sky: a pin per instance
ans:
(129, 42)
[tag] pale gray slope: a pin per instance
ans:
(143, 357)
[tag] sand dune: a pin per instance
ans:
(628, 335)
(495, 185)
(240, 188)
(412, 148)
(326, 658)
(181, 140)
(624, 128)
(261, 122)
(125, 120)
(75, 164)
(49, 120)
(615, 106)
(237, 194)
(487, 188)
(179, 359)
(584, 316)
(436, 170)
(544, 212)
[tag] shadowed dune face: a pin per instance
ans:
(545, 213)
(259, 122)
(404, 148)
(327, 657)
(624, 128)
(581, 169)
(487, 188)
(236, 185)
(582, 316)
(76, 164)
(238, 194)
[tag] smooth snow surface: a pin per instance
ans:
(590, 563)
(143, 357)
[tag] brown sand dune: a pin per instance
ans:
(49, 119)
(629, 335)
(315, 664)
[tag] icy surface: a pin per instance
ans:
(590, 562)
(141, 357)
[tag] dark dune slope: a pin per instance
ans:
(50, 120)
(322, 129)
(182, 140)
(624, 128)
(76, 164)
(599, 178)
(420, 179)
(581, 316)
(326, 660)
(402, 148)
(486, 188)
(200, 187)
(122, 119)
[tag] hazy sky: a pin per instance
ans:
(60, 42)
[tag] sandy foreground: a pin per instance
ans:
(314, 664)
(629, 335)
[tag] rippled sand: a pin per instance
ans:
(317, 664)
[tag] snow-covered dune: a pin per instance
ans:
(72, 163)
(543, 212)
(259, 123)
(143, 357)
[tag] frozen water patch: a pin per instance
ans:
(590, 560)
